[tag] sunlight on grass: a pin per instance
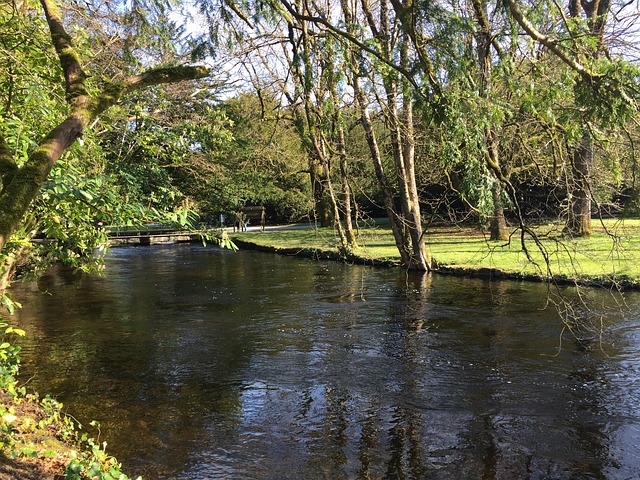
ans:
(612, 252)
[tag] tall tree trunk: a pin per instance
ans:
(403, 144)
(497, 223)
(341, 151)
(319, 168)
(579, 220)
(579, 215)
(421, 258)
(406, 224)
(346, 189)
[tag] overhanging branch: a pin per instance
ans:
(159, 76)
(551, 44)
(21, 185)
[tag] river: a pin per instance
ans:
(200, 363)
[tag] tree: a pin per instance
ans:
(308, 75)
(484, 43)
(264, 163)
(296, 61)
(605, 91)
(86, 100)
(406, 221)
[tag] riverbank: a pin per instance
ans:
(38, 441)
(609, 258)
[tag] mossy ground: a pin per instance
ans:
(31, 446)
(39, 442)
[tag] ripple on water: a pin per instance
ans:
(202, 364)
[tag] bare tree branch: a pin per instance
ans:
(546, 41)
(323, 22)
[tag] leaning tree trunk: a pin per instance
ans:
(387, 194)
(403, 144)
(421, 257)
(20, 185)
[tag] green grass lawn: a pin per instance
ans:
(611, 253)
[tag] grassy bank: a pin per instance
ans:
(610, 255)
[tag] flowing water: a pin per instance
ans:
(206, 364)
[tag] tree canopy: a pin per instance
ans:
(499, 113)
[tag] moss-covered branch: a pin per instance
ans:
(69, 57)
(159, 76)
(7, 163)
(21, 185)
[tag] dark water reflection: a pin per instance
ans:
(204, 364)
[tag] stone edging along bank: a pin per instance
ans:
(481, 272)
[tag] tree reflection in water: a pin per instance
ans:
(203, 364)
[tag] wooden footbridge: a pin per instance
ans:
(152, 235)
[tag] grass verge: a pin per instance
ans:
(610, 256)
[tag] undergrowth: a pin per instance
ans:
(35, 433)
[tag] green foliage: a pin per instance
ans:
(93, 461)
(28, 69)
(264, 164)
(609, 97)
(9, 352)
(82, 196)
(75, 210)
(162, 149)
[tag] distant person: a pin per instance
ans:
(239, 223)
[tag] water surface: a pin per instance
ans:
(206, 364)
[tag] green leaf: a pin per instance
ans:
(85, 194)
